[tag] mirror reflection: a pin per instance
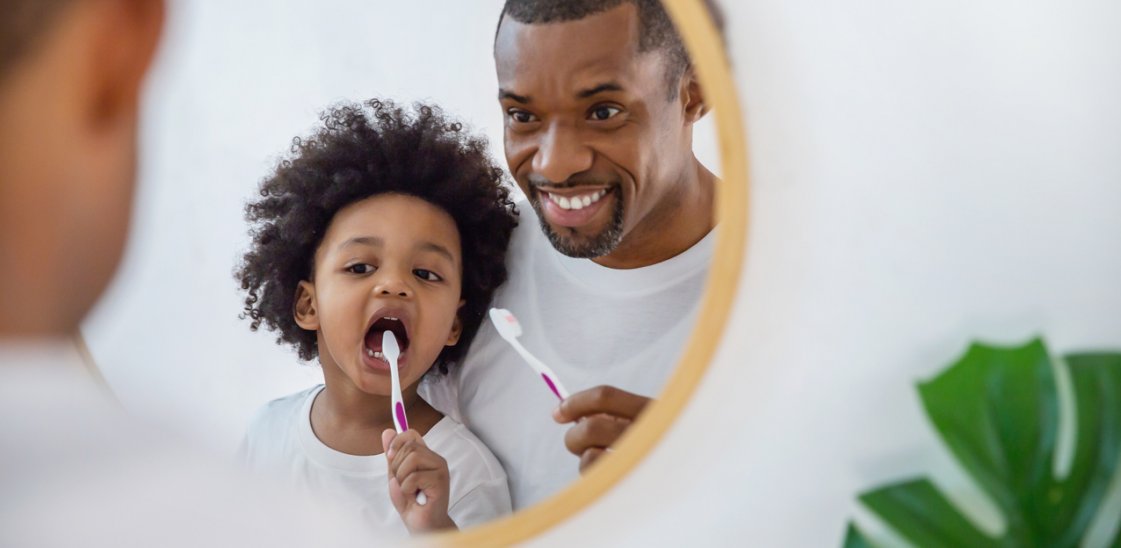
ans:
(334, 158)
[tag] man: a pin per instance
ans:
(599, 100)
(74, 471)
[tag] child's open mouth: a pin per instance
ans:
(388, 322)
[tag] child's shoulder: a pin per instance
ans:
(281, 412)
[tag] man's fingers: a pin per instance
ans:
(589, 457)
(597, 431)
(600, 400)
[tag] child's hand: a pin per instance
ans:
(414, 467)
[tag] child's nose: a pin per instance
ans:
(392, 286)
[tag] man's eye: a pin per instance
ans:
(360, 268)
(521, 116)
(427, 275)
(600, 114)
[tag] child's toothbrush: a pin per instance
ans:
(391, 351)
(509, 328)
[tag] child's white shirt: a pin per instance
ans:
(280, 442)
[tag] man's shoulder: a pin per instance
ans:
(463, 449)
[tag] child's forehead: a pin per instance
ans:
(392, 219)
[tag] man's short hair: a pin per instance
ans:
(656, 31)
(22, 22)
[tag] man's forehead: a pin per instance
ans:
(573, 55)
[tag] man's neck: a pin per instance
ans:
(672, 227)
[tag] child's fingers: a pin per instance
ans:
(396, 495)
(419, 459)
(433, 483)
(596, 431)
(400, 440)
(387, 436)
(400, 454)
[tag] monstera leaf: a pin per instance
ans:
(997, 409)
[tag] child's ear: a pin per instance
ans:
(307, 317)
(457, 326)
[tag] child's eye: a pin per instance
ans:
(427, 275)
(360, 268)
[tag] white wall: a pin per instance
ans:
(924, 174)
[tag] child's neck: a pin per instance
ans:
(349, 420)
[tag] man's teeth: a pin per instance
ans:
(577, 202)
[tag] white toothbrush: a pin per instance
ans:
(391, 351)
(509, 328)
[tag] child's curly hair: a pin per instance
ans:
(363, 150)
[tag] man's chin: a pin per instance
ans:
(573, 244)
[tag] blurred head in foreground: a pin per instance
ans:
(71, 73)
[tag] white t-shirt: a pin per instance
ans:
(75, 470)
(592, 325)
(280, 442)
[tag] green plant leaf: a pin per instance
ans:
(854, 538)
(997, 409)
(919, 512)
(1096, 379)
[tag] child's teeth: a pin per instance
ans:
(369, 352)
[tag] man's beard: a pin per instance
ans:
(597, 246)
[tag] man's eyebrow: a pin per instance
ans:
(503, 94)
(370, 241)
(606, 86)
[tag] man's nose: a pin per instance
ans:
(561, 154)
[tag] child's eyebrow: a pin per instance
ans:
(438, 249)
(371, 241)
(374, 241)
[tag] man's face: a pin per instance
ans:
(68, 148)
(592, 134)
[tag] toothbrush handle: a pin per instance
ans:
(543, 370)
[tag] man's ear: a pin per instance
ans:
(306, 308)
(457, 326)
(692, 97)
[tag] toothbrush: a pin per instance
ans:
(391, 351)
(509, 329)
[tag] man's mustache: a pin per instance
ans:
(578, 180)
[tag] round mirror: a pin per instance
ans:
(236, 84)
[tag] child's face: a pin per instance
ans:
(389, 262)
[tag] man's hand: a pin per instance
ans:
(414, 467)
(601, 415)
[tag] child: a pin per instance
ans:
(384, 220)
